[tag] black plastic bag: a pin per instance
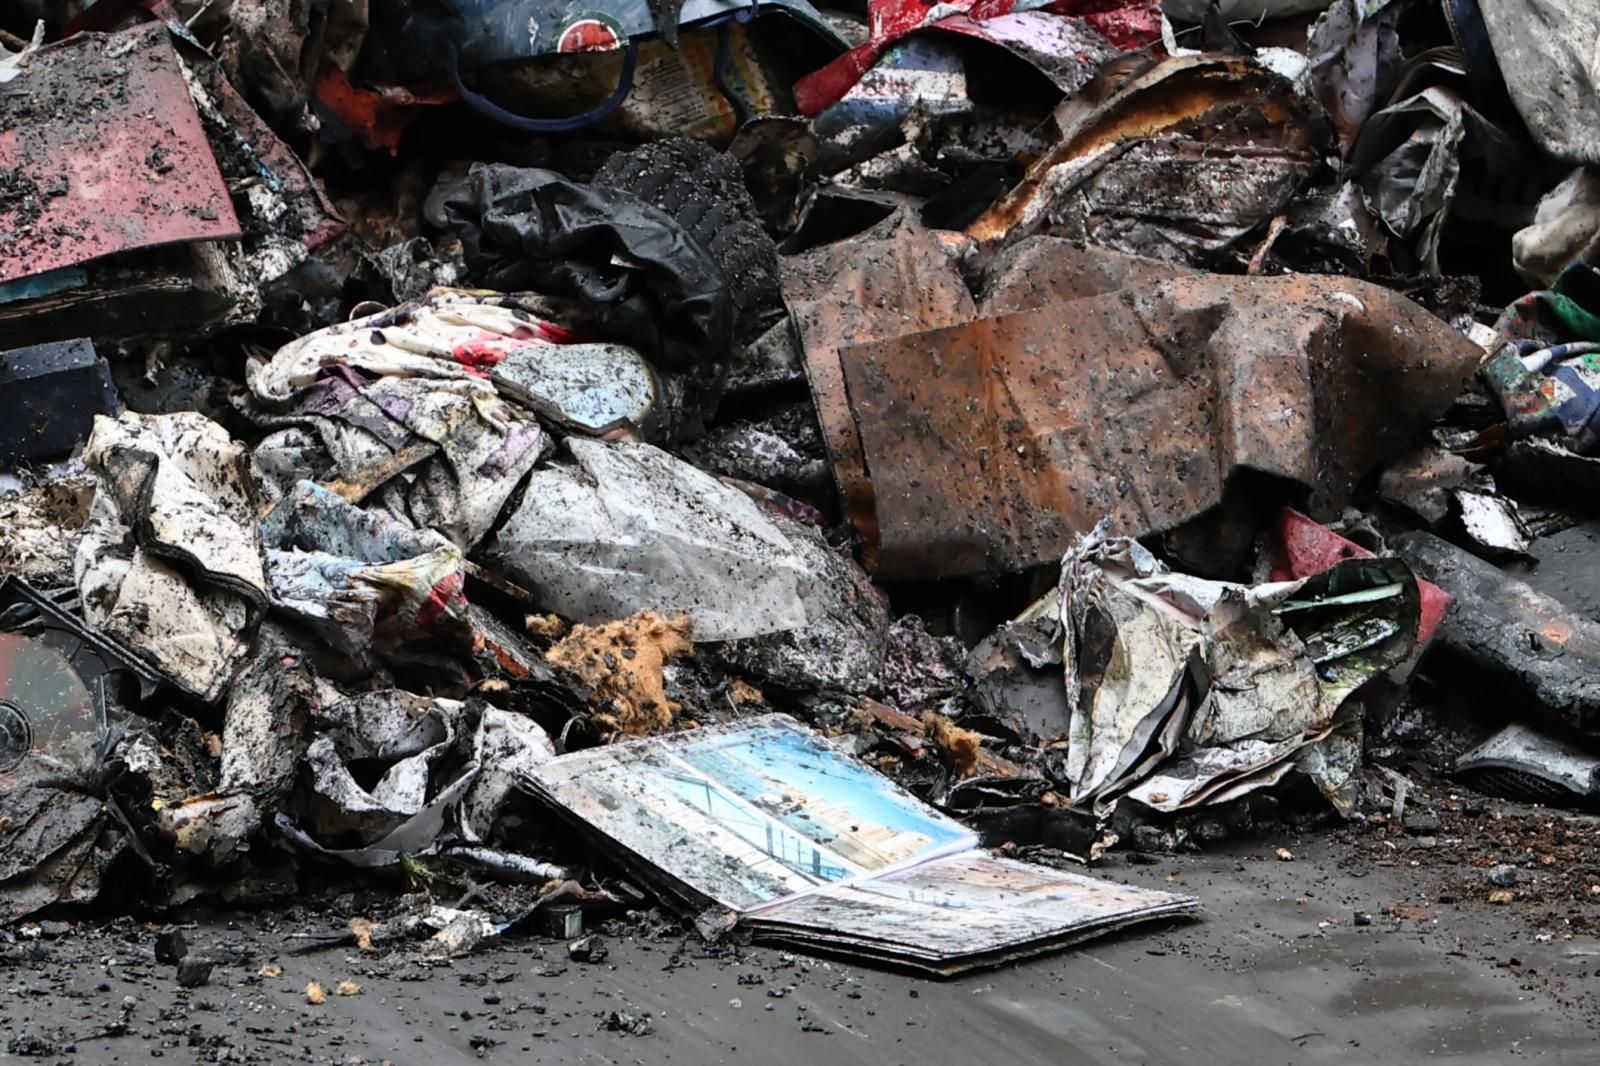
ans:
(638, 273)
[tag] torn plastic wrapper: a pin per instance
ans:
(1409, 159)
(1310, 548)
(170, 560)
(64, 689)
(1353, 54)
(361, 580)
(985, 446)
(1179, 162)
(1126, 24)
(626, 527)
(783, 454)
(417, 773)
(1191, 691)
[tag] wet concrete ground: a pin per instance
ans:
(1279, 970)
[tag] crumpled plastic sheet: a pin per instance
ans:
(1353, 53)
(172, 487)
(376, 388)
(1408, 159)
(447, 769)
(1185, 691)
(361, 580)
(626, 527)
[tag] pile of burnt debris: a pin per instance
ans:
(843, 440)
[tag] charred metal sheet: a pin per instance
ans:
(101, 151)
(857, 291)
(1178, 162)
(991, 443)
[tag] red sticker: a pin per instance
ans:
(590, 34)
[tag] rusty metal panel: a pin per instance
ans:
(990, 444)
(862, 290)
(102, 151)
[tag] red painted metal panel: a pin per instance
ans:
(101, 151)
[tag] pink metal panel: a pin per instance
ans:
(101, 151)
